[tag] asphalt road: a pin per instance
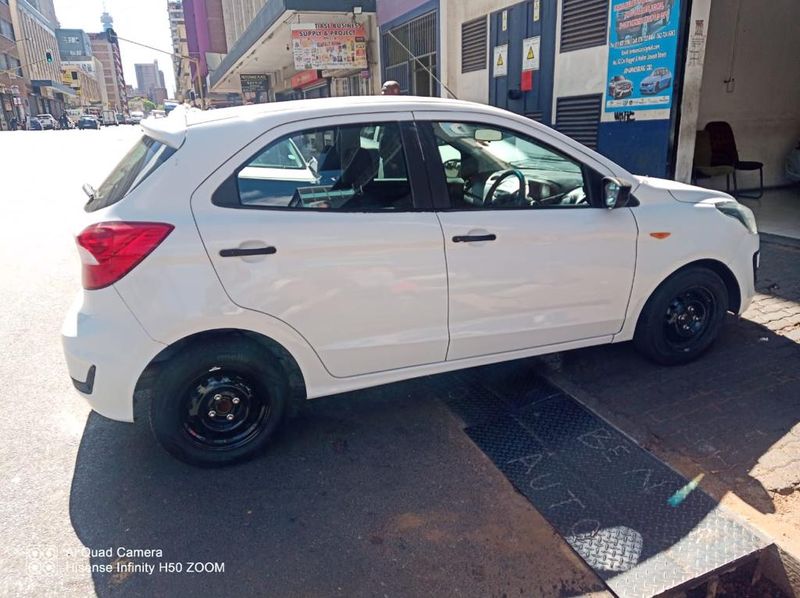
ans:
(377, 493)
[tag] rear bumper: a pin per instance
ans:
(106, 350)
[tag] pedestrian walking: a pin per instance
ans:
(390, 88)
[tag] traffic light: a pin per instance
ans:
(111, 36)
(48, 55)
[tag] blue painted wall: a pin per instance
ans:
(641, 147)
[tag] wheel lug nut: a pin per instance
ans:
(212, 413)
(235, 400)
(229, 417)
(217, 397)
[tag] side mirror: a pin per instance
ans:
(616, 193)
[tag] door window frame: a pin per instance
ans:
(438, 181)
(226, 195)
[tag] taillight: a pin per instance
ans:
(109, 250)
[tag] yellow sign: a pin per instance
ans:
(530, 53)
(500, 61)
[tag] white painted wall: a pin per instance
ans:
(693, 80)
(756, 42)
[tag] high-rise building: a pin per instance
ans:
(175, 12)
(80, 70)
(148, 79)
(108, 54)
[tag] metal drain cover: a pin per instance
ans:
(641, 526)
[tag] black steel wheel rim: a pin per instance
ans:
(223, 409)
(689, 316)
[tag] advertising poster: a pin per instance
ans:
(329, 46)
(643, 46)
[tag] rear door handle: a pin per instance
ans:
(473, 238)
(247, 252)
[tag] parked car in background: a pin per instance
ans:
(109, 118)
(47, 120)
(658, 79)
(88, 122)
(35, 124)
(136, 116)
(404, 261)
(619, 87)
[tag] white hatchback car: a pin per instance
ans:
(254, 257)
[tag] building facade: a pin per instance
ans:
(266, 62)
(634, 80)
(206, 40)
(14, 87)
(147, 78)
(109, 55)
(35, 27)
(238, 15)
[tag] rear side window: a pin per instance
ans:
(140, 162)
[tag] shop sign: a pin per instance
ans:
(304, 78)
(254, 83)
(500, 61)
(329, 46)
(643, 47)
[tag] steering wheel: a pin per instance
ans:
(489, 198)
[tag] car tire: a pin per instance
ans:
(218, 403)
(683, 317)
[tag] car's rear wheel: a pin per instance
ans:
(219, 403)
(683, 317)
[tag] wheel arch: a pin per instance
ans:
(716, 266)
(297, 382)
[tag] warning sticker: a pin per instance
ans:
(530, 53)
(500, 60)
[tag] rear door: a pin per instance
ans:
(342, 255)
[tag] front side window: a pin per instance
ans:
(349, 167)
(492, 168)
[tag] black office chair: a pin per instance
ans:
(725, 153)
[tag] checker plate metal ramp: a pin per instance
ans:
(635, 521)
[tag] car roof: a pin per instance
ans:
(173, 130)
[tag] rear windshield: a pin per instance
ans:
(139, 163)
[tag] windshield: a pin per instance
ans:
(141, 161)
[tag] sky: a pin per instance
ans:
(143, 21)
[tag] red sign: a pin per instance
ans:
(526, 81)
(304, 78)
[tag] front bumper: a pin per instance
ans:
(106, 350)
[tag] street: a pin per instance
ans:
(376, 493)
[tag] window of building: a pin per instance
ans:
(3, 62)
(14, 63)
(584, 24)
(473, 45)
(7, 29)
(493, 168)
(411, 56)
(350, 168)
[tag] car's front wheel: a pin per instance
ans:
(683, 317)
(218, 403)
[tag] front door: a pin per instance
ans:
(318, 226)
(531, 261)
(523, 38)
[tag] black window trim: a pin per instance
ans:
(438, 183)
(226, 195)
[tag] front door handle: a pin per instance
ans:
(247, 252)
(473, 238)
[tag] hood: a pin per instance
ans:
(683, 192)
